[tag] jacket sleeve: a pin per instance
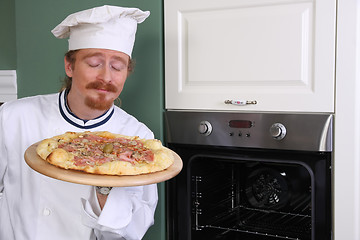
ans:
(3, 161)
(127, 214)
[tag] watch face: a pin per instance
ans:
(104, 190)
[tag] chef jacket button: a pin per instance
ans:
(46, 212)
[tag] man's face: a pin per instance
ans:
(98, 76)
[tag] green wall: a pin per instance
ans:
(38, 59)
(7, 35)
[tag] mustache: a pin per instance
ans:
(100, 85)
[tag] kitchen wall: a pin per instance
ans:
(29, 47)
(7, 39)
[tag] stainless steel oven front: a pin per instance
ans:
(250, 176)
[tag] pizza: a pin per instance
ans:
(105, 153)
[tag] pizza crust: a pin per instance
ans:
(49, 151)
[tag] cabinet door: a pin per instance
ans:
(279, 54)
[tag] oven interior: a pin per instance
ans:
(256, 198)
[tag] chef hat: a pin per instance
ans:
(107, 27)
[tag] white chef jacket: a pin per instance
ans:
(33, 206)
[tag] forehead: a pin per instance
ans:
(104, 53)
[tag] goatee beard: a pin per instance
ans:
(100, 102)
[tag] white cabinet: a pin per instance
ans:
(8, 85)
(279, 53)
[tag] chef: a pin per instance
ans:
(34, 206)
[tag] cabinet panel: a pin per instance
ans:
(8, 85)
(275, 53)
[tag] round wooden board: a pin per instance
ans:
(74, 176)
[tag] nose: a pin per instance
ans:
(106, 74)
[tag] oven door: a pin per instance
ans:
(238, 193)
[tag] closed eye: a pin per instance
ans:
(94, 61)
(118, 66)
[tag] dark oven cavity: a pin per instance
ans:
(236, 185)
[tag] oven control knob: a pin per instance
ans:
(205, 128)
(278, 131)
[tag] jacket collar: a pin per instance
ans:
(78, 122)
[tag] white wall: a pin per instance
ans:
(347, 123)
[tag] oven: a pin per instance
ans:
(247, 176)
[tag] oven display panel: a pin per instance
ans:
(240, 124)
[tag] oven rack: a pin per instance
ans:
(259, 222)
(251, 232)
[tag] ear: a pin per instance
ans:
(68, 68)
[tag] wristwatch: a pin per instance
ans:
(103, 190)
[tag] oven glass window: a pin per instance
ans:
(249, 199)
